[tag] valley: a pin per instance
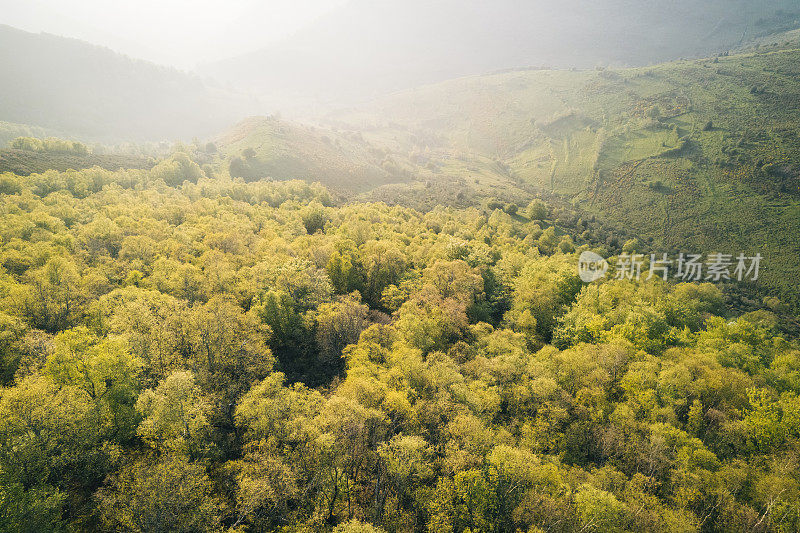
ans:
(339, 284)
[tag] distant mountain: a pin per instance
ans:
(370, 47)
(92, 92)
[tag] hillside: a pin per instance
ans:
(697, 155)
(262, 147)
(382, 168)
(416, 42)
(92, 92)
(10, 131)
(24, 162)
(434, 310)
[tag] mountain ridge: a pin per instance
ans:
(92, 92)
(423, 42)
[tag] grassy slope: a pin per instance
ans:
(24, 162)
(635, 146)
(284, 150)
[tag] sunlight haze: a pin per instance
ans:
(400, 266)
(180, 33)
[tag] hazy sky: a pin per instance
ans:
(181, 33)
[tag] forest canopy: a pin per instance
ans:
(186, 353)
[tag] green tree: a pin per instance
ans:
(175, 415)
(338, 324)
(53, 298)
(177, 169)
(544, 288)
(314, 217)
(536, 210)
(229, 349)
(105, 370)
(170, 494)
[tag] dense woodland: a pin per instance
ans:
(193, 339)
(181, 352)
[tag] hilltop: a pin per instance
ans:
(268, 147)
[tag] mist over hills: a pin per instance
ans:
(92, 92)
(364, 49)
(376, 318)
(367, 48)
(693, 155)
